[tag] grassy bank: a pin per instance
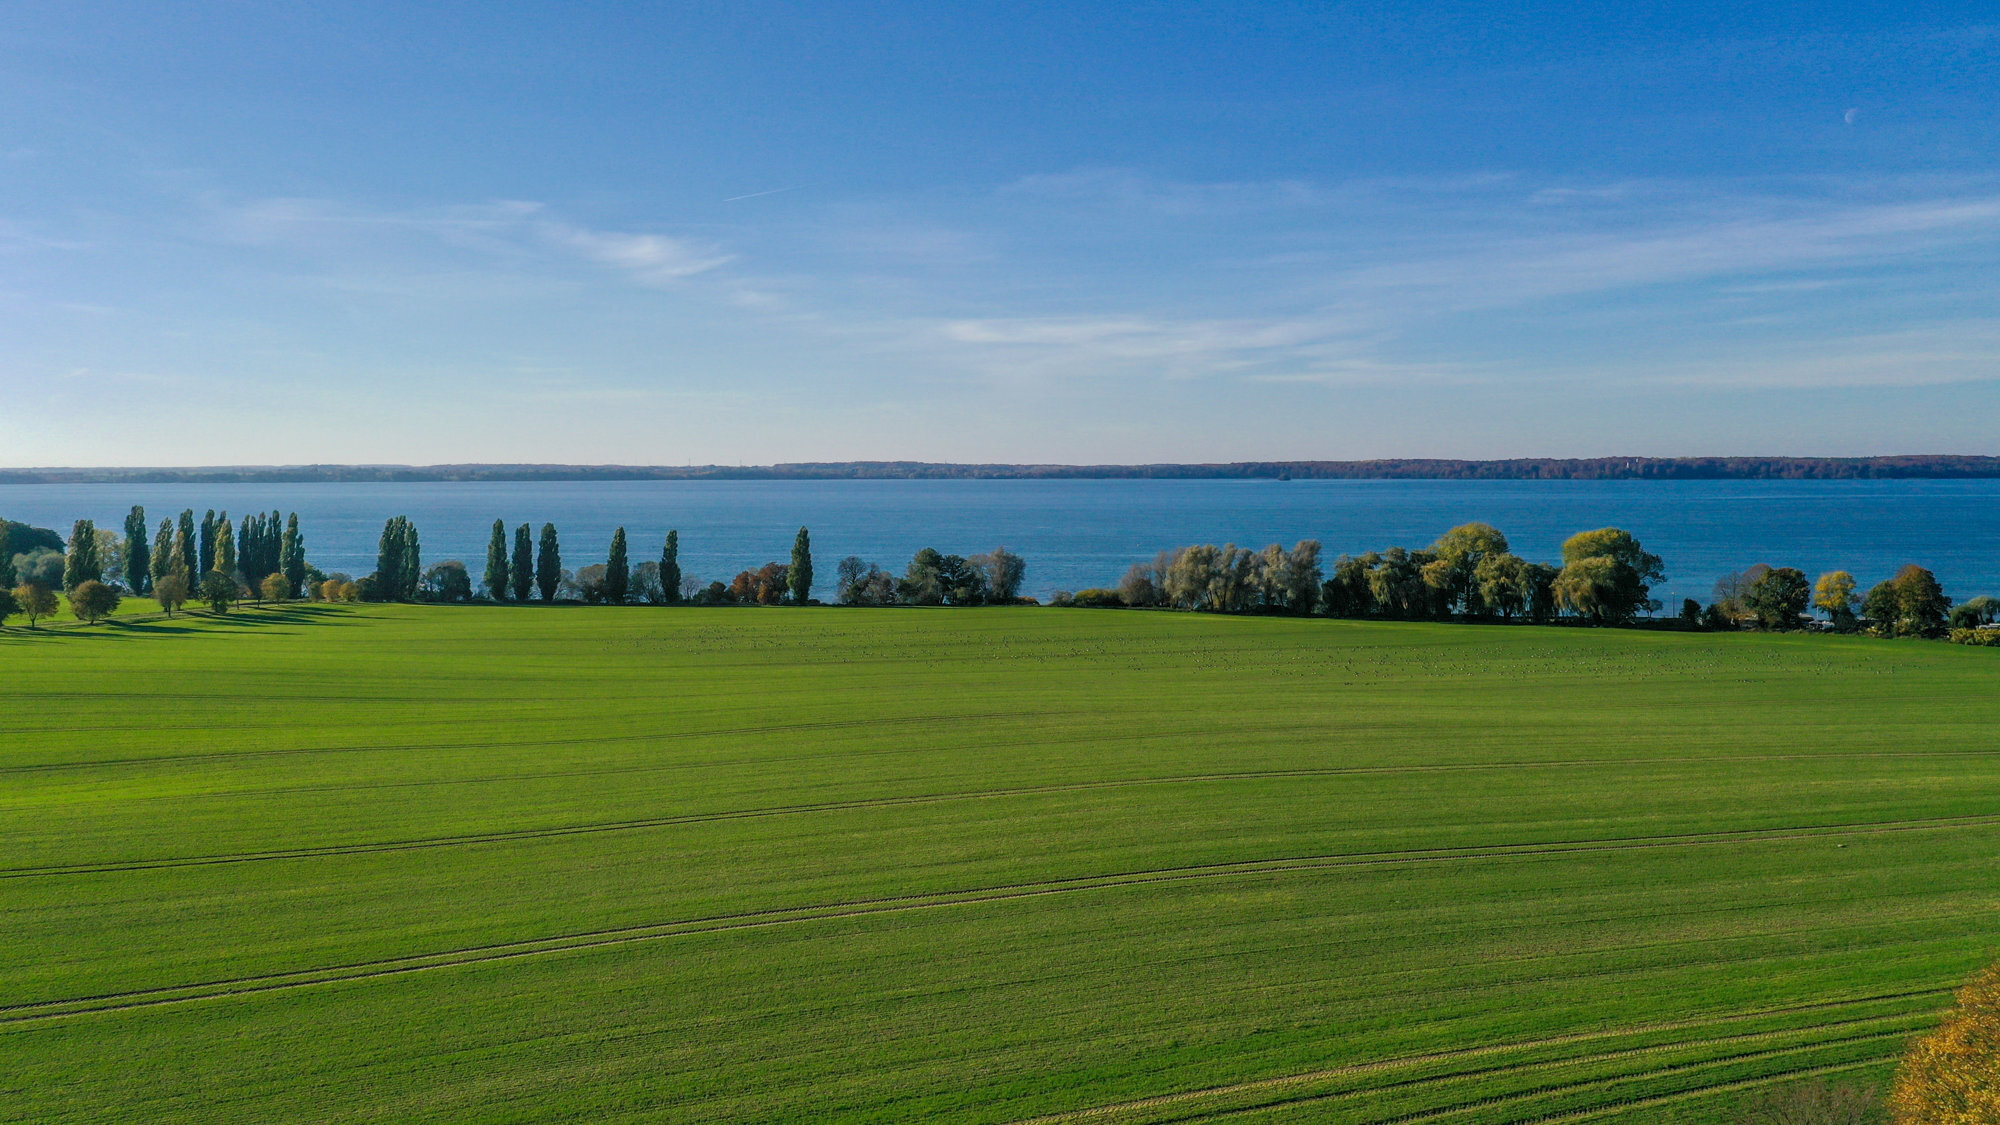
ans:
(476, 864)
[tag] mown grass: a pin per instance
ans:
(477, 864)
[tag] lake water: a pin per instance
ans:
(1080, 533)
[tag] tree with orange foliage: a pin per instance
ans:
(1952, 1076)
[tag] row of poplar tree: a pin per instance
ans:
(522, 565)
(185, 551)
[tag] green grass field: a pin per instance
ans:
(497, 865)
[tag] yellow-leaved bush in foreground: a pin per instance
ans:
(1952, 1076)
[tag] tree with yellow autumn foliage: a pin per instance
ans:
(1952, 1076)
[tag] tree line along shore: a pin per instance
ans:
(1895, 467)
(1469, 574)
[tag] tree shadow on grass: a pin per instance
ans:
(273, 619)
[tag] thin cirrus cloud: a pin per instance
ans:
(1398, 282)
(505, 232)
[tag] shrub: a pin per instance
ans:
(275, 586)
(171, 591)
(1989, 637)
(36, 601)
(1097, 599)
(92, 601)
(218, 590)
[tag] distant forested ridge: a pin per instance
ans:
(1521, 468)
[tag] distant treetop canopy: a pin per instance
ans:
(1405, 468)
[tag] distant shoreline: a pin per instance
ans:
(1933, 467)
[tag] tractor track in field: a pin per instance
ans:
(774, 916)
(487, 744)
(1532, 1066)
(1558, 1089)
(1327, 771)
(1471, 851)
(1616, 1105)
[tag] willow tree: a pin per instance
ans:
(1605, 576)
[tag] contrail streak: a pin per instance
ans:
(755, 194)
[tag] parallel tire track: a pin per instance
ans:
(1579, 1087)
(1470, 851)
(624, 935)
(1406, 1062)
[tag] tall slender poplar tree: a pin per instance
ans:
(617, 570)
(225, 548)
(185, 543)
(138, 552)
(250, 550)
(523, 566)
(413, 561)
(670, 568)
(208, 541)
(800, 576)
(183, 551)
(292, 556)
(496, 562)
(81, 565)
(163, 552)
(398, 561)
(548, 563)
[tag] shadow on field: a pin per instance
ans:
(276, 619)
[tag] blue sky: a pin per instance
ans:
(276, 233)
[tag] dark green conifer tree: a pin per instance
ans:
(496, 562)
(548, 563)
(138, 551)
(799, 578)
(522, 569)
(617, 570)
(292, 555)
(670, 568)
(80, 564)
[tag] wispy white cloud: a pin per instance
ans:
(1354, 312)
(650, 258)
(513, 232)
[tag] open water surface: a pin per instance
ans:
(1081, 533)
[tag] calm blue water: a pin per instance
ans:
(1083, 533)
